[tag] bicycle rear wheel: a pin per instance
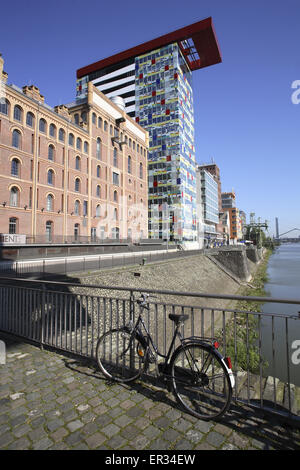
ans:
(200, 381)
(120, 355)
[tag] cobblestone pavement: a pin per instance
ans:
(50, 401)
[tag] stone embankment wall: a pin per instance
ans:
(198, 274)
(192, 274)
(240, 261)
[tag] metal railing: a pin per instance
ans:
(71, 317)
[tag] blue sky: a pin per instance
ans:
(244, 116)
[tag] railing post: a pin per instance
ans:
(132, 352)
(43, 305)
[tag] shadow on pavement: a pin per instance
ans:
(268, 431)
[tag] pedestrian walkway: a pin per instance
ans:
(50, 401)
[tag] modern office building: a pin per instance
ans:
(73, 172)
(228, 200)
(207, 205)
(242, 219)
(155, 81)
(214, 170)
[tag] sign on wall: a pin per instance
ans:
(12, 239)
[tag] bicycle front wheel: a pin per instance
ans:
(120, 355)
(200, 381)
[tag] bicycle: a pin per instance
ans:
(200, 377)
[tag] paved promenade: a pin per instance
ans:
(49, 401)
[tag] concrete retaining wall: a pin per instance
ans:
(240, 261)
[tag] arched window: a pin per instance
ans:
(13, 225)
(76, 231)
(105, 125)
(129, 164)
(77, 162)
(98, 171)
(100, 122)
(77, 185)
(49, 205)
(98, 210)
(115, 161)
(49, 230)
(76, 118)
(18, 113)
(141, 170)
(115, 196)
(71, 140)
(30, 119)
(85, 147)
(115, 233)
(4, 106)
(16, 139)
(115, 214)
(51, 152)
(77, 207)
(94, 117)
(50, 177)
(52, 130)
(98, 190)
(78, 143)
(98, 148)
(15, 167)
(42, 125)
(84, 116)
(14, 197)
(111, 130)
(129, 142)
(61, 135)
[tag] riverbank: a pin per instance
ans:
(192, 274)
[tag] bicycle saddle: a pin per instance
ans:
(178, 318)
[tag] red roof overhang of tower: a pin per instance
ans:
(197, 42)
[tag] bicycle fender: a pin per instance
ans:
(214, 350)
(230, 373)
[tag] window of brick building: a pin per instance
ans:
(49, 230)
(51, 152)
(52, 130)
(18, 113)
(15, 167)
(29, 119)
(4, 106)
(14, 197)
(42, 125)
(98, 148)
(13, 225)
(16, 139)
(61, 135)
(77, 185)
(50, 177)
(49, 205)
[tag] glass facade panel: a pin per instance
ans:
(164, 107)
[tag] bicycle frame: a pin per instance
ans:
(207, 342)
(148, 340)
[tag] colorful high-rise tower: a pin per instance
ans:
(155, 81)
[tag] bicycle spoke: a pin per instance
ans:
(117, 356)
(200, 381)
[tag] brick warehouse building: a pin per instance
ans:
(155, 81)
(73, 172)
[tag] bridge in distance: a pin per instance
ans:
(283, 239)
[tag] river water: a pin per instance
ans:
(284, 282)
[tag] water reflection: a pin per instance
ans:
(284, 282)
